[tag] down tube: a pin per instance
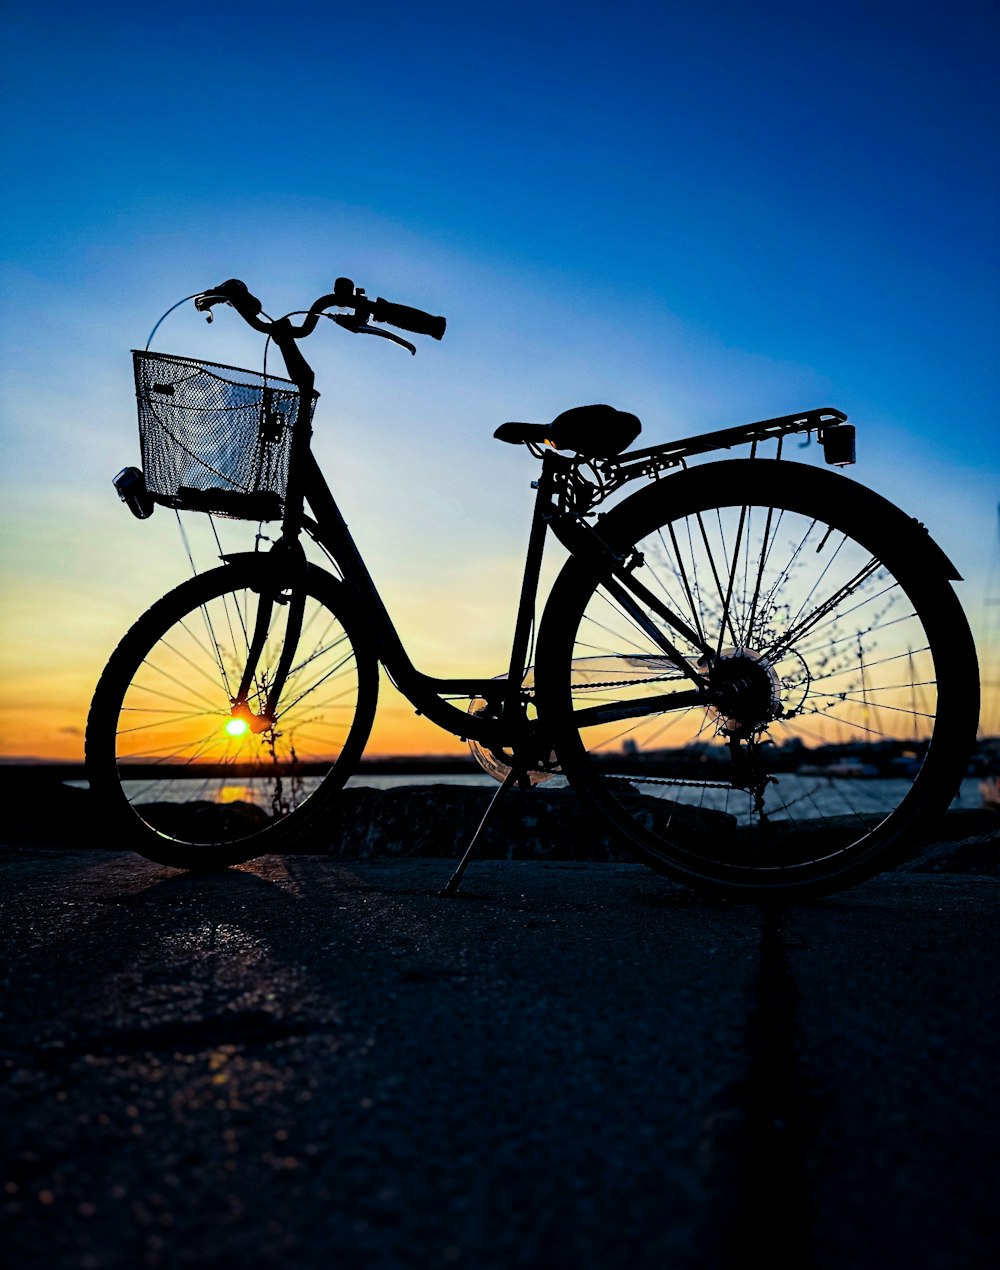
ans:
(423, 691)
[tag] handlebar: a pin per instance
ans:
(344, 295)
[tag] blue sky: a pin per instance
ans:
(704, 215)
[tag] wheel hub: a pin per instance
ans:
(242, 714)
(744, 691)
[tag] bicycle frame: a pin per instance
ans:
(564, 498)
(722, 657)
(425, 692)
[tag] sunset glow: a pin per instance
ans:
(655, 207)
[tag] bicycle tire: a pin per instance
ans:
(833, 614)
(168, 780)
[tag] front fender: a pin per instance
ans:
(346, 598)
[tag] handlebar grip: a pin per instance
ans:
(408, 319)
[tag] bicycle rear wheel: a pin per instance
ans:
(844, 680)
(173, 774)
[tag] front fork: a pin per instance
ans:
(287, 569)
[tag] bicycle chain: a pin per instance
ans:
(655, 780)
(629, 683)
(667, 780)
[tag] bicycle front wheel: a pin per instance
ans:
(179, 779)
(843, 691)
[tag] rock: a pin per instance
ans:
(968, 855)
(439, 820)
(45, 811)
(205, 821)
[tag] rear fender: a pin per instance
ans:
(684, 492)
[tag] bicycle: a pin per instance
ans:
(726, 661)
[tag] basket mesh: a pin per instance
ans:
(214, 438)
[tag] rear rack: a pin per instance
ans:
(579, 493)
(673, 453)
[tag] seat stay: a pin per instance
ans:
(617, 577)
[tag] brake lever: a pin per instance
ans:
(203, 303)
(232, 292)
(360, 327)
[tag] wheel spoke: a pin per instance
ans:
(189, 781)
(810, 736)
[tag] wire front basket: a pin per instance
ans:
(214, 438)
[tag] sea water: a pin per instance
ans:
(810, 796)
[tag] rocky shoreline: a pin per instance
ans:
(437, 821)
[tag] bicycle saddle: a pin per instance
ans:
(596, 431)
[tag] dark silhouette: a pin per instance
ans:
(755, 673)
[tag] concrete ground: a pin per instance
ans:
(314, 1062)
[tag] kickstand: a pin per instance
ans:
(456, 877)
